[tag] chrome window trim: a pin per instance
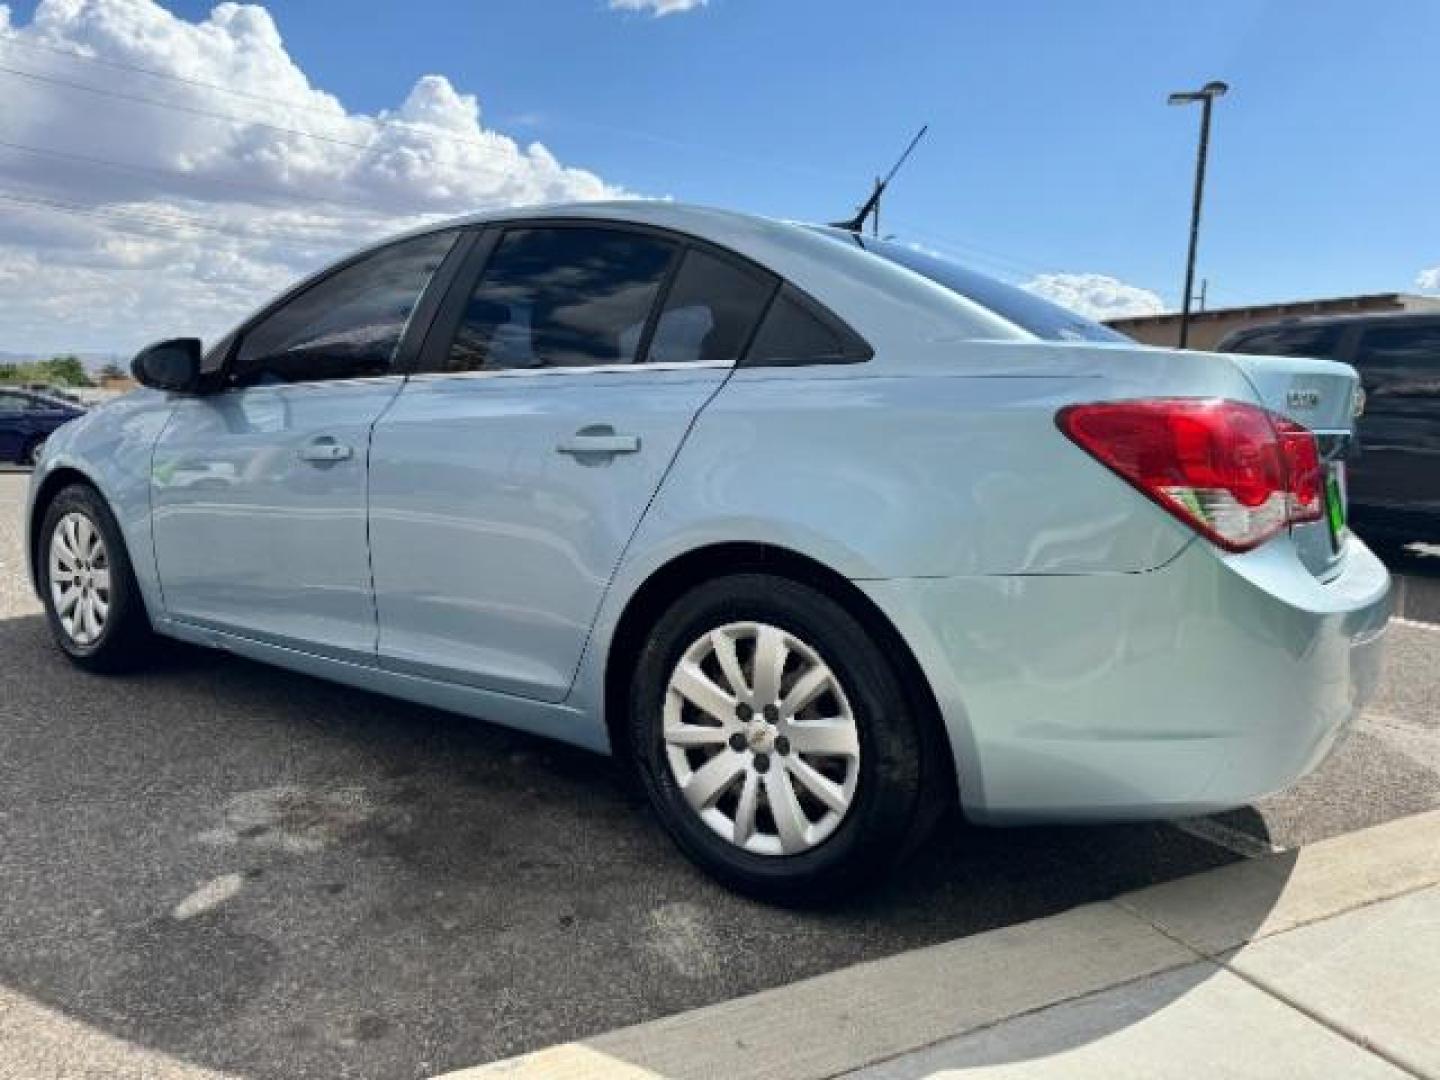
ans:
(578, 369)
(308, 384)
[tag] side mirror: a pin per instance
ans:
(169, 365)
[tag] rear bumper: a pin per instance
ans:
(1199, 686)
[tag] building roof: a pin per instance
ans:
(1337, 305)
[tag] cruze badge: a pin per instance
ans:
(1303, 399)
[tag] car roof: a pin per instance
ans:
(880, 300)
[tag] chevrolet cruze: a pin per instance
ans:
(818, 533)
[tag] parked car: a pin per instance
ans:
(55, 393)
(27, 420)
(818, 534)
(1395, 472)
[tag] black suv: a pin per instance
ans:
(1395, 475)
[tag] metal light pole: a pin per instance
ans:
(1206, 95)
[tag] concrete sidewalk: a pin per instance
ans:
(1317, 963)
(1356, 995)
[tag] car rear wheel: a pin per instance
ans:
(775, 740)
(91, 599)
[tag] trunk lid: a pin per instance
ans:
(1321, 395)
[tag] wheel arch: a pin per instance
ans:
(55, 481)
(672, 579)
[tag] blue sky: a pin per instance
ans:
(1051, 148)
(1051, 145)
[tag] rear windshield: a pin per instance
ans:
(1047, 321)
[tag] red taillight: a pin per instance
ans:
(1235, 472)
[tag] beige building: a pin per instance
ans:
(118, 383)
(1209, 328)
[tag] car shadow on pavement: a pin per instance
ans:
(268, 874)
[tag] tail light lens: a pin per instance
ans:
(1236, 473)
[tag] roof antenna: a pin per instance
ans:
(871, 209)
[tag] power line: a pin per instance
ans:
(172, 225)
(150, 170)
(404, 125)
(287, 103)
(210, 114)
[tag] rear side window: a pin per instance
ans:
(710, 312)
(795, 331)
(1321, 341)
(1401, 359)
(561, 297)
(347, 325)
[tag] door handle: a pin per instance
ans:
(324, 448)
(598, 439)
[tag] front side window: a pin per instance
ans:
(346, 326)
(561, 297)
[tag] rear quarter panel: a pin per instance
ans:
(951, 467)
(948, 464)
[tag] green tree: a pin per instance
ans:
(65, 370)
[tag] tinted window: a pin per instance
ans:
(795, 333)
(711, 311)
(561, 297)
(1401, 359)
(11, 404)
(1047, 321)
(346, 326)
(1320, 341)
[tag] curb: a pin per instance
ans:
(847, 1019)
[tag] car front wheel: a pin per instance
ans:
(91, 599)
(775, 739)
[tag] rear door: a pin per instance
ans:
(558, 385)
(1398, 469)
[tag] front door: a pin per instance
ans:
(259, 488)
(506, 481)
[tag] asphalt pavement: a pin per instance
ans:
(253, 871)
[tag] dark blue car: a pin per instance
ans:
(26, 421)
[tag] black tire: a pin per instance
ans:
(31, 454)
(126, 639)
(888, 810)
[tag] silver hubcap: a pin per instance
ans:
(760, 738)
(80, 578)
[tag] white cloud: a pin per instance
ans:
(208, 217)
(1096, 296)
(658, 7)
(1428, 280)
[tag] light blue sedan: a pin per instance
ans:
(818, 533)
